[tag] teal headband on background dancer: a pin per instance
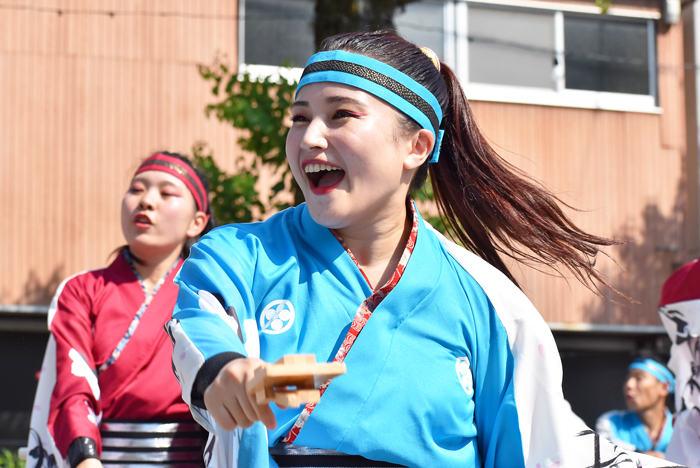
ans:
(381, 80)
(656, 369)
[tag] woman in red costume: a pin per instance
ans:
(107, 394)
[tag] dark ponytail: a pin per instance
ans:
(489, 205)
(493, 207)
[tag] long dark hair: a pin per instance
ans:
(489, 205)
(211, 223)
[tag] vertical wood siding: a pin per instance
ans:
(85, 96)
(625, 171)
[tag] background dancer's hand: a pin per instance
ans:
(228, 402)
(90, 463)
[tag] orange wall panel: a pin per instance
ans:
(85, 96)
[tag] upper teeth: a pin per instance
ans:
(320, 167)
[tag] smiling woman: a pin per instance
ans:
(448, 363)
(106, 389)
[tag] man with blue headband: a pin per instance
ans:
(647, 425)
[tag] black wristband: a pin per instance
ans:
(81, 449)
(206, 375)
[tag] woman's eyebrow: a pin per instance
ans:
(168, 184)
(299, 104)
(332, 100)
(345, 100)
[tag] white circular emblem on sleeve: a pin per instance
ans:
(464, 374)
(277, 317)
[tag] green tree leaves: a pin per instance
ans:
(260, 107)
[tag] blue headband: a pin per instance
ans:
(660, 372)
(381, 80)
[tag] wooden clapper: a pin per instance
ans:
(292, 380)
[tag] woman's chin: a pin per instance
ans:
(327, 215)
(140, 249)
(144, 249)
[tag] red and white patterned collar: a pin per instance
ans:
(361, 316)
(408, 250)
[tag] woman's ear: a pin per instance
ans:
(421, 146)
(666, 389)
(198, 224)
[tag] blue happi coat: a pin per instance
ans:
(624, 428)
(455, 368)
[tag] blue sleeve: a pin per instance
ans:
(215, 291)
(215, 295)
(214, 322)
(214, 309)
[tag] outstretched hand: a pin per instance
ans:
(228, 401)
(90, 463)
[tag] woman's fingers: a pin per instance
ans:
(90, 463)
(214, 402)
(264, 413)
(240, 416)
(248, 413)
(222, 417)
(228, 402)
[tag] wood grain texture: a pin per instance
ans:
(271, 382)
(625, 171)
(86, 96)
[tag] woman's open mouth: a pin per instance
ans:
(142, 221)
(323, 178)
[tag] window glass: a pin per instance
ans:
(421, 23)
(279, 32)
(511, 47)
(606, 55)
(506, 46)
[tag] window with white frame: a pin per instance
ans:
(281, 32)
(502, 50)
(276, 32)
(603, 54)
(511, 47)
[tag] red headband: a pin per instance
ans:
(180, 169)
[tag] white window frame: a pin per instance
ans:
(560, 96)
(456, 55)
(260, 71)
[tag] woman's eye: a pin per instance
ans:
(135, 189)
(341, 114)
(298, 118)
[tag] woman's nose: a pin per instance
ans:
(315, 135)
(147, 201)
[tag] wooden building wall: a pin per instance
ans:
(626, 172)
(86, 95)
